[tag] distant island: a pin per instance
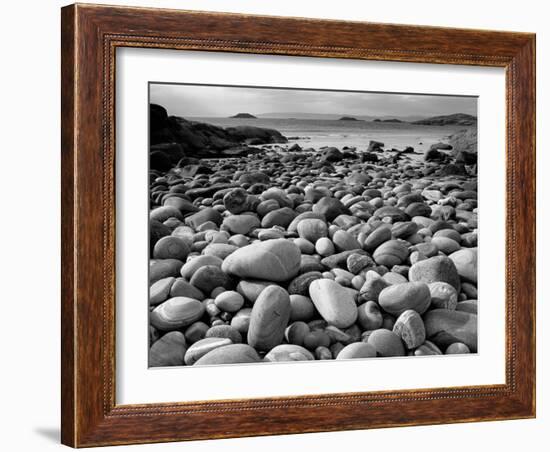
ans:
(244, 115)
(335, 116)
(459, 119)
(387, 120)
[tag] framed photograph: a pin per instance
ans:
(281, 225)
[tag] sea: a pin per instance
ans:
(317, 133)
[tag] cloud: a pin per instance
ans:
(222, 101)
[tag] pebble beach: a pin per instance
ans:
(269, 253)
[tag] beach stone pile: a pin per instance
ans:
(310, 256)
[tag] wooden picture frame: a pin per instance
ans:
(90, 36)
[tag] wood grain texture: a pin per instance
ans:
(67, 227)
(90, 36)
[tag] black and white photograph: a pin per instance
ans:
(298, 224)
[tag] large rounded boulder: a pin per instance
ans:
(334, 302)
(273, 260)
(434, 269)
(445, 327)
(465, 261)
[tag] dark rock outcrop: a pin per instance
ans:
(165, 152)
(369, 157)
(331, 154)
(464, 140)
(177, 137)
(295, 148)
(434, 155)
(242, 133)
(460, 119)
(375, 146)
(441, 146)
(159, 161)
(467, 158)
(453, 169)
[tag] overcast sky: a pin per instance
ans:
(219, 101)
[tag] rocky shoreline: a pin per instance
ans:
(277, 253)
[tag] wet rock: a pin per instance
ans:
(251, 289)
(467, 306)
(241, 320)
(324, 247)
(434, 269)
(357, 350)
(279, 217)
(253, 177)
(195, 332)
(164, 213)
(444, 296)
(164, 268)
(288, 352)
(315, 339)
(344, 241)
(202, 216)
(157, 230)
(444, 327)
(409, 326)
(202, 347)
(269, 318)
(241, 224)
(182, 288)
(339, 259)
(398, 298)
(176, 313)
(392, 212)
(465, 261)
(312, 229)
(208, 277)
(427, 348)
(192, 265)
(229, 354)
(267, 206)
(160, 290)
(229, 301)
(169, 350)
(171, 248)
(225, 331)
(301, 308)
(390, 253)
(374, 284)
(236, 201)
(375, 146)
(272, 260)
(369, 316)
(377, 237)
(358, 262)
(457, 348)
(334, 302)
(300, 285)
(394, 278)
(386, 343)
(329, 207)
(331, 154)
(221, 250)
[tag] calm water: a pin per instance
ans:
(316, 133)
